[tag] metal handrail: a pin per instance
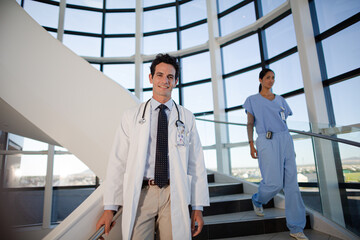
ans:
(101, 230)
(341, 140)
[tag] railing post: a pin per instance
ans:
(48, 188)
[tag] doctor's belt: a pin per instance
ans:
(151, 182)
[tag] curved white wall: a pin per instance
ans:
(58, 91)
(66, 98)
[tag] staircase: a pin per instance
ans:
(231, 214)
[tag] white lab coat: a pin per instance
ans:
(188, 177)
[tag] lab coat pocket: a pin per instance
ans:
(189, 179)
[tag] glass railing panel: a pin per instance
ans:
(328, 164)
(79, 174)
(66, 200)
(25, 206)
(25, 171)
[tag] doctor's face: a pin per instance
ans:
(163, 82)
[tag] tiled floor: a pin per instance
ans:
(311, 234)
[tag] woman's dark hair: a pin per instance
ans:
(165, 58)
(262, 74)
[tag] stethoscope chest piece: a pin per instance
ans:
(142, 121)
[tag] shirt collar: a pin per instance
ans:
(155, 104)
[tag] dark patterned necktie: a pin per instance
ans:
(161, 159)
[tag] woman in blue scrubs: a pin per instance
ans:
(275, 151)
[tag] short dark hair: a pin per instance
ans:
(165, 58)
(262, 75)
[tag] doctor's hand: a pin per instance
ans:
(253, 151)
(106, 219)
(196, 216)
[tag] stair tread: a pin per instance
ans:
(232, 197)
(215, 184)
(270, 213)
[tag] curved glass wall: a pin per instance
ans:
(106, 29)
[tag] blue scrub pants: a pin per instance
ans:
(278, 169)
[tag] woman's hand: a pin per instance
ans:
(253, 151)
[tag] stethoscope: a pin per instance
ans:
(178, 122)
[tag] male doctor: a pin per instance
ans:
(156, 166)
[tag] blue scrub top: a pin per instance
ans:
(267, 113)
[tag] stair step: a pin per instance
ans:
(211, 177)
(231, 203)
(244, 224)
(218, 189)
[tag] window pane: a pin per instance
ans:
(224, 5)
(120, 23)
(198, 98)
(192, 11)
(83, 46)
(149, 3)
(345, 100)
(77, 174)
(350, 157)
(196, 67)
(87, 3)
(119, 47)
(124, 74)
(65, 201)
(206, 130)
(210, 159)
(120, 4)
(148, 94)
(160, 43)
(239, 87)
(269, 5)
(240, 159)
(26, 208)
(241, 54)
(287, 74)
(342, 51)
(305, 160)
(25, 171)
(26, 144)
(238, 133)
(237, 19)
(300, 118)
(280, 36)
(146, 72)
(332, 12)
(83, 21)
(159, 19)
(194, 36)
(45, 14)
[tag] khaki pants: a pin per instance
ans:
(154, 201)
